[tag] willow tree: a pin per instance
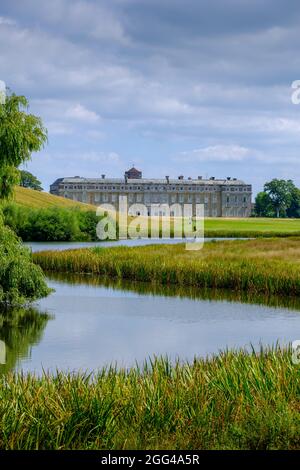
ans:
(21, 134)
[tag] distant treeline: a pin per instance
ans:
(280, 198)
(51, 224)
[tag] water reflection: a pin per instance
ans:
(20, 329)
(99, 321)
(157, 289)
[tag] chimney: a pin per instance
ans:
(167, 178)
(103, 177)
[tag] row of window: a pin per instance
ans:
(156, 188)
(163, 198)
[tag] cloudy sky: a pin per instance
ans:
(175, 87)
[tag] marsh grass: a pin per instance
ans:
(262, 266)
(235, 400)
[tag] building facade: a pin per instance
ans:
(228, 197)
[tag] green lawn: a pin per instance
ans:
(262, 225)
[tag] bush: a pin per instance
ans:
(21, 281)
(53, 224)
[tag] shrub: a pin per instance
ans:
(20, 280)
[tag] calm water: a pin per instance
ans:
(86, 325)
(41, 246)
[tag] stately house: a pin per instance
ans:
(228, 197)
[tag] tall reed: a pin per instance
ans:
(264, 266)
(235, 400)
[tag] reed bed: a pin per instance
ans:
(235, 400)
(264, 266)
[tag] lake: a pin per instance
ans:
(42, 246)
(87, 323)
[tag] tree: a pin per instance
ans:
(280, 193)
(294, 208)
(28, 180)
(263, 205)
(21, 134)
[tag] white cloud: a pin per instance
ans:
(6, 21)
(81, 113)
(99, 157)
(216, 153)
(58, 128)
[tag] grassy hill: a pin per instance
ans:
(214, 227)
(35, 199)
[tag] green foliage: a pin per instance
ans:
(280, 193)
(294, 208)
(51, 224)
(263, 205)
(235, 400)
(20, 135)
(20, 280)
(28, 180)
(280, 198)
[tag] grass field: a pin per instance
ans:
(214, 227)
(266, 266)
(36, 199)
(254, 226)
(231, 401)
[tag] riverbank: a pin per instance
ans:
(262, 266)
(231, 401)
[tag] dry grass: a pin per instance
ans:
(29, 198)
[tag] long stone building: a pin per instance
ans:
(228, 197)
